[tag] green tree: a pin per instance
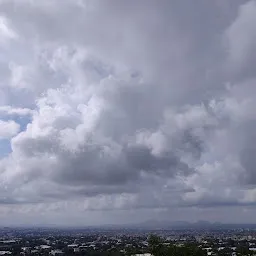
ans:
(156, 246)
(243, 250)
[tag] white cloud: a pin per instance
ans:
(8, 110)
(5, 31)
(8, 129)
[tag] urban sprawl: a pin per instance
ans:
(96, 242)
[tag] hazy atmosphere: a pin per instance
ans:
(119, 111)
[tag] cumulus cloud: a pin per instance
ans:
(128, 106)
(8, 129)
(8, 110)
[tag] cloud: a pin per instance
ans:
(6, 32)
(130, 105)
(8, 129)
(241, 36)
(12, 111)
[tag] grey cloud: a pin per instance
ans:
(241, 36)
(152, 25)
(248, 152)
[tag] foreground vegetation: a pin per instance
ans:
(157, 247)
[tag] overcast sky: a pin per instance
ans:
(115, 111)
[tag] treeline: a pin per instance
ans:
(157, 247)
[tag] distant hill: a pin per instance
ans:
(165, 224)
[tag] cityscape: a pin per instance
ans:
(214, 241)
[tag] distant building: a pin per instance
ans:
(5, 253)
(72, 245)
(45, 248)
(56, 252)
(143, 254)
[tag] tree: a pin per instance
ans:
(243, 250)
(156, 246)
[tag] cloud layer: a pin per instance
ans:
(127, 106)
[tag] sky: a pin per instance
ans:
(121, 111)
